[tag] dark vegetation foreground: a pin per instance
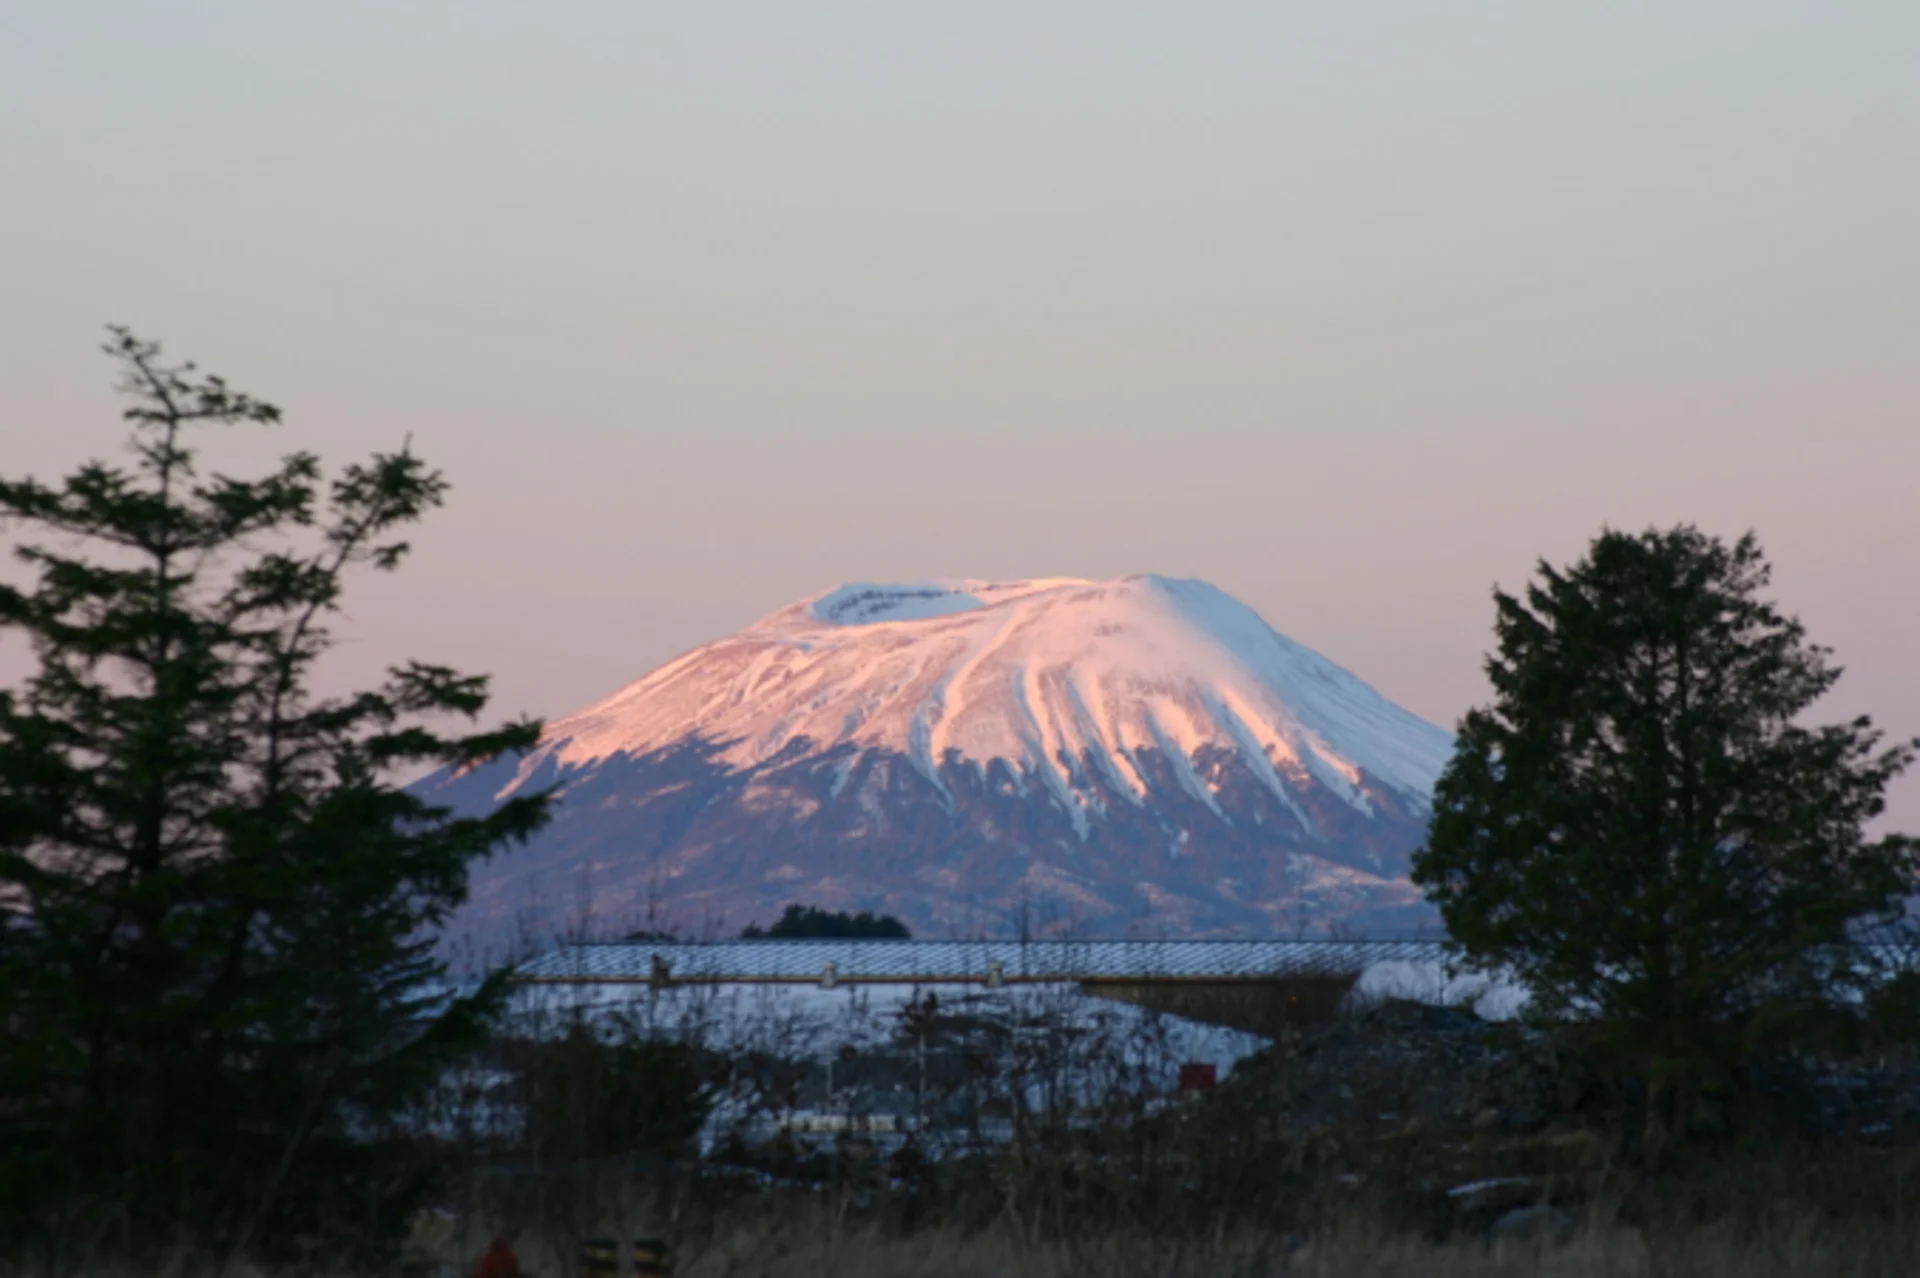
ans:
(1402, 1138)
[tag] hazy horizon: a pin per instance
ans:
(1353, 311)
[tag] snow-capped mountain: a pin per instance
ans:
(1142, 755)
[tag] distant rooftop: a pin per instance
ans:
(834, 962)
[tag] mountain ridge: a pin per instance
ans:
(1145, 751)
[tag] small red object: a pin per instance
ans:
(499, 1262)
(1197, 1077)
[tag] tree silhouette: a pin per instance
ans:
(1641, 827)
(216, 902)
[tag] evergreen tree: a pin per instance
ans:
(810, 922)
(1640, 827)
(217, 906)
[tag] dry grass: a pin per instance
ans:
(1332, 1157)
(1801, 1247)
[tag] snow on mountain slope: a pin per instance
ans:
(1144, 748)
(1024, 672)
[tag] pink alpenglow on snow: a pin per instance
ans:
(1139, 756)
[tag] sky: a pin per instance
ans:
(1354, 310)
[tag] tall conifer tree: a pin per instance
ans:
(1642, 828)
(217, 982)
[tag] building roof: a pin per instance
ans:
(964, 962)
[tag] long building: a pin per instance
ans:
(1258, 986)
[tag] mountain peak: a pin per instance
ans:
(1018, 671)
(1070, 709)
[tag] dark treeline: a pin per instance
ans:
(800, 922)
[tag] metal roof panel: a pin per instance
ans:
(941, 962)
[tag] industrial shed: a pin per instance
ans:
(1254, 985)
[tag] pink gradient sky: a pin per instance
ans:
(1353, 310)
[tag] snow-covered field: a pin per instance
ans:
(809, 1023)
(800, 1021)
(1052, 1042)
